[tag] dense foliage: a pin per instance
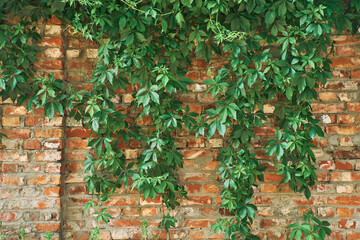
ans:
(273, 50)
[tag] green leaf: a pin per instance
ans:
(59, 108)
(278, 134)
(140, 36)
(209, 82)
(180, 19)
(312, 132)
(270, 17)
(305, 228)
(307, 193)
(211, 129)
(155, 97)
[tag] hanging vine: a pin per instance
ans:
(273, 50)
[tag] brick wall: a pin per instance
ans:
(41, 162)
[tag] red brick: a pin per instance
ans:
(131, 212)
(195, 108)
(341, 85)
(347, 51)
(268, 223)
(40, 180)
(344, 200)
(325, 212)
(9, 168)
(54, 20)
(267, 188)
(32, 144)
(199, 64)
(327, 96)
(192, 188)
(202, 98)
(16, 133)
(54, 30)
(47, 64)
(353, 235)
(197, 234)
(346, 154)
(345, 119)
(265, 131)
(353, 107)
(272, 177)
(187, 97)
(199, 223)
(347, 223)
(343, 165)
(49, 133)
(125, 223)
(13, 157)
(32, 121)
(345, 39)
(53, 167)
(210, 188)
(14, 110)
(192, 154)
(10, 121)
(78, 132)
(196, 142)
(340, 73)
(131, 153)
(48, 156)
(194, 177)
(7, 216)
(77, 189)
(327, 108)
(79, 65)
(47, 227)
(344, 62)
(54, 53)
(50, 42)
(345, 176)
(346, 142)
(197, 200)
(355, 74)
(76, 144)
(52, 191)
(121, 201)
(147, 212)
(345, 212)
(343, 130)
(193, 75)
(13, 181)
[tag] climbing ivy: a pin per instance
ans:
(273, 51)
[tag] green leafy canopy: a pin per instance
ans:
(273, 50)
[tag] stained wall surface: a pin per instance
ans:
(41, 180)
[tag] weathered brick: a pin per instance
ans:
(328, 108)
(12, 181)
(17, 133)
(347, 154)
(48, 64)
(53, 30)
(7, 216)
(347, 51)
(51, 42)
(353, 107)
(54, 53)
(10, 121)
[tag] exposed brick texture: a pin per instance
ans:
(41, 180)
